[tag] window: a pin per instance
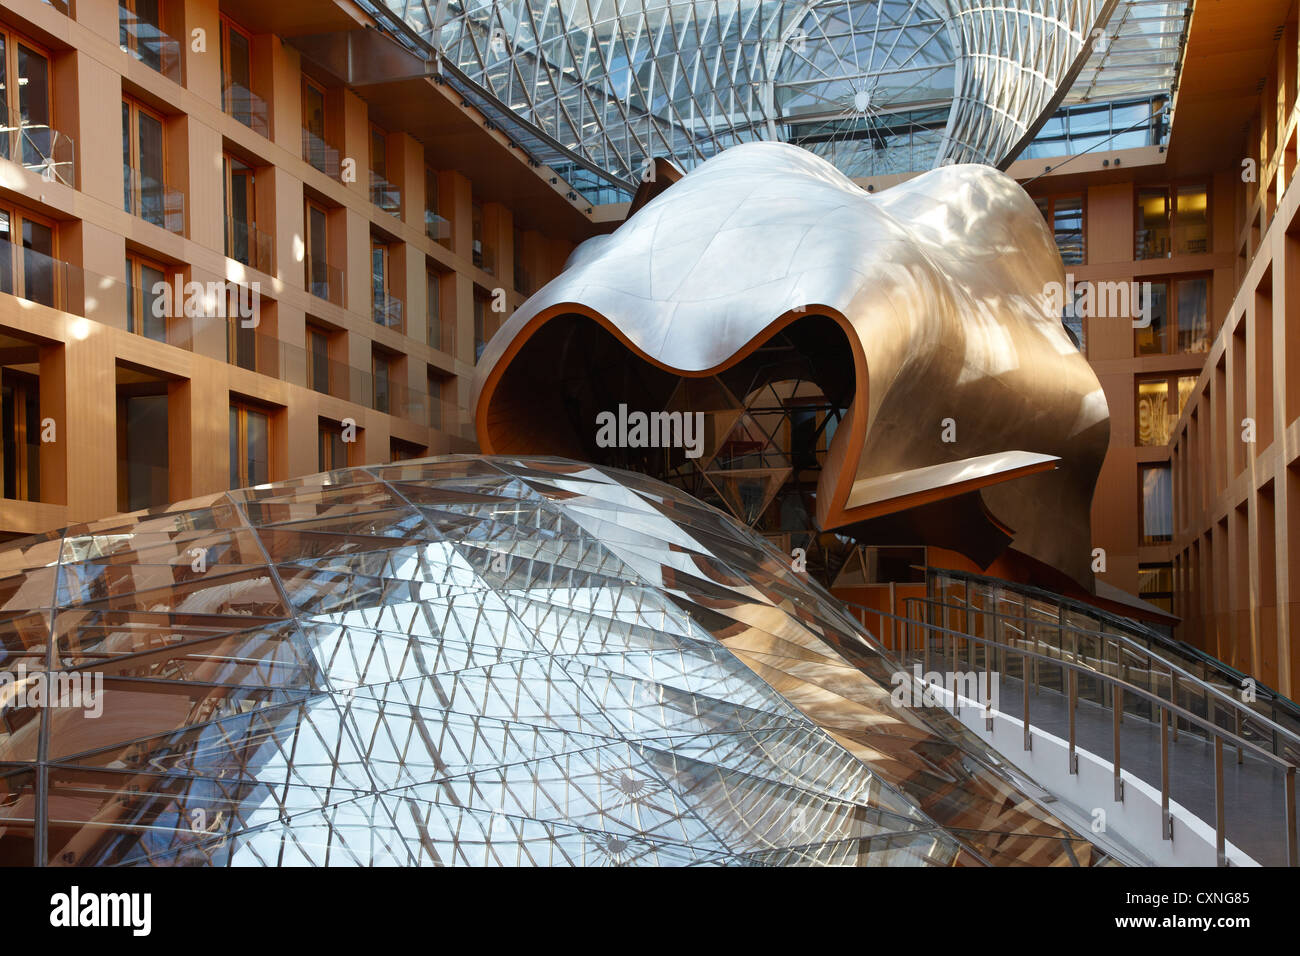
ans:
(480, 325)
(241, 336)
(29, 135)
(1156, 585)
(146, 315)
(20, 418)
(1157, 504)
(318, 270)
(315, 149)
(143, 163)
(237, 97)
(435, 226)
(436, 381)
(140, 33)
(1183, 328)
(239, 197)
(250, 446)
(383, 193)
(476, 225)
(318, 355)
(1172, 222)
(331, 449)
(439, 337)
(381, 368)
(1064, 215)
(387, 308)
(28, 268)
(142, 447)
(1156, 415)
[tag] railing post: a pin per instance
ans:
(1220, 835)
(1166, 821)
(1292, 846)
(1173, 695)
(1117, 705)
(1024, 686)
(1072, 681)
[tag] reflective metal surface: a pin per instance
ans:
(470, 661)
(938, 287)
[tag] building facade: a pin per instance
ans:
(289, 270)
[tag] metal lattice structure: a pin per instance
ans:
(470, 661)
(875, 86)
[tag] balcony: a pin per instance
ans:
(386, 195)
(38, 147)
(153, 201)
(388, 310)
(247, 244)
(436, 228)
(244, 105)
(149, 44)
(324, 281)
(39, 278)
(319, 153)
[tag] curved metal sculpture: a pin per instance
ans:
(968, 408)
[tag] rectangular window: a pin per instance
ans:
(250, 446)
(28, 136)
(1154, 338)
(1180, 323)
(382, 370)
(318, 278)
(1064, 216)
(318, 351)
(1192, 315)
(433, 290)
(1157, 504)
(1191, 226)
(480, 326)
(28, 268)
(1172, 221)
(241, 339)
(244, 242)
(1156, 585)
(1153, 218)
(436, 227)
(237, 97)
(331, 449)
(142, 451)
(146, 311)
(143, 165)
(140, 31)
(20, 419)
(315, 149)
(1160, 402)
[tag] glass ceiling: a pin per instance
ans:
(872, 85)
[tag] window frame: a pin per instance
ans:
(1173, 321)
(17, 216)
(229, 26)
(136, 296)
(135, 108)
(11, 40)
(242, 408)
(1171, 198)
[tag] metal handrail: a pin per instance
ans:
(1179, 673)
(1119, 688)
(1136, 632)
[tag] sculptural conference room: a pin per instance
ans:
(512, 434)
